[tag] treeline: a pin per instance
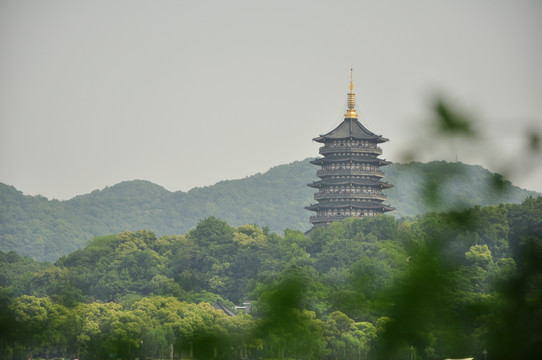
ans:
(441, 285)
(47, 229)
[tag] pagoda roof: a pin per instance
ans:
(350, 128)
(347, 205)
(354, 157)
(348, 181)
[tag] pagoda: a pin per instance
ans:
(350, 182)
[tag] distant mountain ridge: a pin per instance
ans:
(46, 229)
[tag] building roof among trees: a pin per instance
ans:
(219, 306)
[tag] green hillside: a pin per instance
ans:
(46, 229)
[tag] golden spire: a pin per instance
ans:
(351, 112)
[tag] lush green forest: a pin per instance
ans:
(47, 229)
(449, 284)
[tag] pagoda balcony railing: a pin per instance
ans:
(327, 172)
(325, 219)
(350, 149)
(361, 196)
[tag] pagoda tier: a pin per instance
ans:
(330, 212)
(349, 206)
(350, 129)
(342, 159)
(351, 182)
(350, 177)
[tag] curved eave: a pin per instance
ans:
(348, 205)
(350, 181)
(350, 128)
(323, 139)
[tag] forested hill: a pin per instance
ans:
(46, 229)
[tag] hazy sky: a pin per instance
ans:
(188, 93)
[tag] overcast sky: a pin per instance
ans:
(188, 93)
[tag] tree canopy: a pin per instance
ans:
(447, 284)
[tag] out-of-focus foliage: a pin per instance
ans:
(434, 286)
(46, 230)
(490, 299)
